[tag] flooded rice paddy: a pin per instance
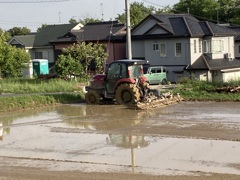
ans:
(183, 139)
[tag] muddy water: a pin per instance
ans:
(187, 138)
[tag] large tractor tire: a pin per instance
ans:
(127, 94)
(92, 97)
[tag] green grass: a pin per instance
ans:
(34, 93)
(27, 86)
(206, 91)
(12, 103)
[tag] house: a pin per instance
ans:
(110, 33)
(49, 42)
(24, 41)
(187, 47)
(38, 44)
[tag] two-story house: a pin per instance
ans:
(110, 33)
(49, 42)
(187, 47)
(38, 45)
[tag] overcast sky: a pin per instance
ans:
(17, 13)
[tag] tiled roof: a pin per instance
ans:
(205, 62)
(51, 33)
(101, 31)
(25, 40)
(185, 25)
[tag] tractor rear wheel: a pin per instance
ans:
(127, 94)
(92, 97)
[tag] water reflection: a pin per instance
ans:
(107, 118)
(101, 117)
(130, 142)
(115, 139)
(1, 131)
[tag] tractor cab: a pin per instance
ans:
(122, 71)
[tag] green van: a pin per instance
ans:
(155, 74)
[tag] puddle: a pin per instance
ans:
(108, 139)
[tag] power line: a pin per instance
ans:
(155, 4)
(33, 1)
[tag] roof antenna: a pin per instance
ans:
(59, 17)
(102, 9)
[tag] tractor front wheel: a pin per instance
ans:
(92, 97)
(127, 94)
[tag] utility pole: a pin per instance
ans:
(129, 43)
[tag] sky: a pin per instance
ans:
(30, 14)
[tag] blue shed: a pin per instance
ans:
(40, 66)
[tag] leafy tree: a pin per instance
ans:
(19, 31)
(206, 9)
(138, 12)
(72, 21)
(77, 58)
(42, 27)
(213, 10)
(68, 66)
(89, 20)
(166, 9)
(12, 59)
(6, 35)
(229, 11)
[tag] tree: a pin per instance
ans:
(42, 27)
(205, 9)
(72, 21)
(76, 59)
(19, 31)
(6, 34)
(89, 20)
(229, 11)
(12, 59)
(219, 11)
(138, 12)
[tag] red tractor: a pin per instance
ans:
(123, 81)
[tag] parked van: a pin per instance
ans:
(155, 74)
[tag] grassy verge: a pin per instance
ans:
(23, 86)
(206, 91)
(35, 101)
(26, 93)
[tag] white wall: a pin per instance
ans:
(229, 76)
(48, 54)
(195, 55)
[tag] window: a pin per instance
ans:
(200, 46)
(213, 46)
(207, 46)
(38, 55)
(195, 46)
(159, 71)
(163, 52)
(217, 46)
(155, 46)
(178, 49)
